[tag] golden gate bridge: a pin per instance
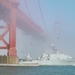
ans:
(14, 17)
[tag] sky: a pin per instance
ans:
(59, 16)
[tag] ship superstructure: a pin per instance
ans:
(55, 58)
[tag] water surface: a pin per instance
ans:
(41, 70)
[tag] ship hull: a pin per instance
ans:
(29, 63)
(57, 62)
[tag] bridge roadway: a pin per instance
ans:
(23, 22)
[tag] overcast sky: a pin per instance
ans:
(59, 16)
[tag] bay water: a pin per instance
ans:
(38, 70)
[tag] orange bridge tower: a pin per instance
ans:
(10, 20)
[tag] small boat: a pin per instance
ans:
(28, 61)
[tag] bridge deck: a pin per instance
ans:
(23, 22)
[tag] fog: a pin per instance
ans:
(59, 28)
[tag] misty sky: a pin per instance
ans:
(59, 16)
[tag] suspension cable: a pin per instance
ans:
(42, 15)
(27, 8)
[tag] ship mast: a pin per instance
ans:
(54, 49)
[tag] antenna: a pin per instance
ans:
(54, 49)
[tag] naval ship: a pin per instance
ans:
(55, 58)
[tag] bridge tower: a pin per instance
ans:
(10, 27)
